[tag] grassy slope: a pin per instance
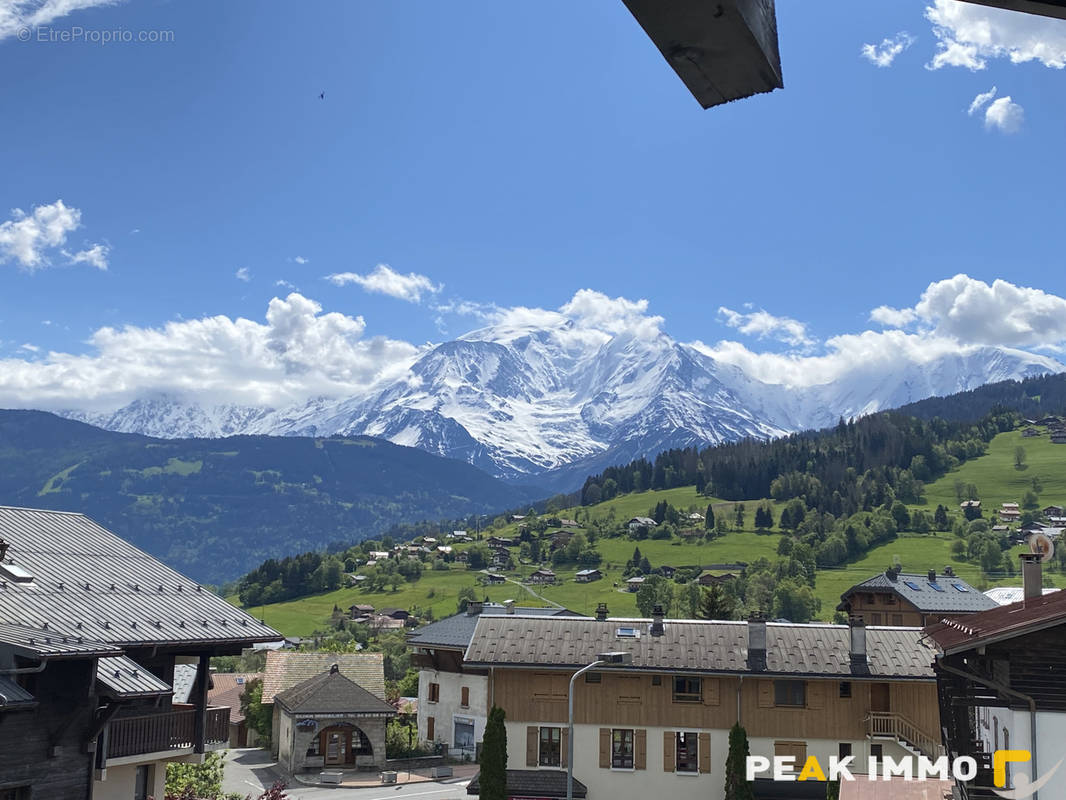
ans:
(994, 475)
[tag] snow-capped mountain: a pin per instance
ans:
(528, 401)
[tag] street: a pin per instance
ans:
(251, 771)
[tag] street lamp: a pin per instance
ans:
(620, 659)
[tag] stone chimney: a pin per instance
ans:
(892, 573)
(932, 576)
(1032, 576)
(857, 630)
(757, 642)
(474, 608)
(601, 612)
(508, 606)
(657, 627)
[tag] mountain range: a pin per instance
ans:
(549, 404)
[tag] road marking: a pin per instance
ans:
(415, 794)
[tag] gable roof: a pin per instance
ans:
(698, 646)
(227, 689)
(286, 668)
(88, 582)
(923, 596)
(457, 630)
(13, 696)
(331, 693)
(954, 634)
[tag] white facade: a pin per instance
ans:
(448, 709)
(120, 782)
(656, 782)
(1008, 729)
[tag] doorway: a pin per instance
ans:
(880, 697)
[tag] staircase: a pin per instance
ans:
(894, 726)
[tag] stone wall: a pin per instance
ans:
(372, 727)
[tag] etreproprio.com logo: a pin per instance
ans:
(910, 768)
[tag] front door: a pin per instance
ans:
(879, 697)
(336, 748)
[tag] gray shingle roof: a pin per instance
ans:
(88, 582)
(916, 589)
(14, 696)
(285, 669)
(533, 783)
(698, 646)
(331, 693)
(457, 630)
(125, 678)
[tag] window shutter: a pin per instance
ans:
(532, 746)
(711, 691)
(640, 749)
(430, 729)
(815, 695)
(766, 694)
(668, 751)
(705, 752)
(605, 748)
(564, 747)
(464, 695)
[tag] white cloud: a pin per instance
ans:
(300, 259)
(96, 255)
(968, 35)
(617, 315)
(1005, 115)
(893, 317)
(32, 348)
(882, 55)
(979, 102)
(16, 15)
(284, 284)
(764, 325)
(242, 274)
(299, 352)
(385, 280)
(27, 238)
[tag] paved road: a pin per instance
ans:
(251, 771)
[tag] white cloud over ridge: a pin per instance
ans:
(764, 325)
(882, 55)
(411, 287)
(969, 35)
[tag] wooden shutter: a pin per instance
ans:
(564, 746)
(464, 697)
(605, 748)
(766, 694)
(640, 749)
(712, 692)
(430, 729)
(532, 746)
(815, 695)
(668, 751)
(705, 752)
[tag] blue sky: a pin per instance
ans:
(512, 154)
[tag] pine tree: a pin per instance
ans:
(715, 604)
(737, 786)
(493, 761)
(940, 518)
(708, 520)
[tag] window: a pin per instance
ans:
(958, 587)
(687, 749)
(845, 688)
(935, 586)
(687, 690)
(464, 697)
(434, 693)
(313, 748)
(142, 782)
(843, 750)
(593, 677)
(875, 618)
(790, 693)
(550, 751)
(622, 748)
(913, 585)
(890, 599)
(897, 620)
(464, 733)
(431, 729)
(876, 752)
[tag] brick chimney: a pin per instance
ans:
(857, 650)
(757, 642)
(601, 612)
(1032, 576)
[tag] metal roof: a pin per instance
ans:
(285, 669)
(50, 643)
(13, 696)
(125, 678)
(331, 693)
(457, 630)
(184, 678)
(697, 646)
(955, 634)
(916, 589)
(89, 582)
(1005, 595)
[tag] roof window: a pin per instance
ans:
(913, 585)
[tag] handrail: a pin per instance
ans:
(894, 724)
(168, 730)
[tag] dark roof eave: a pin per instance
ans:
(723, 673)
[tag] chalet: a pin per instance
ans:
(641, 522)
(379, 555)
(1053, 511)
(712, 578)
(667, 571)
(453, 699)
(395, 613)
(659, 726)
(355, 580)
(516, 517)
(542, 575)
(569, 523)
(1028, 433)
(1011, 506)
(429, 541)
(634, 583)
(501, 558)
(342, 694)
(444, 550)
(500, 541)
(998, 689)
(462, 557)
(92, 631)
(493, 579)
(360, 610)
(588, 575)
(965, 504)
(902, 598)
(1049, 420)
(1009, 514)
(560, 539)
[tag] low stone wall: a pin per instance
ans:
(421, 762)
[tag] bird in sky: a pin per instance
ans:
(322, 96)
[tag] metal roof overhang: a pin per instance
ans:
(1043, 8)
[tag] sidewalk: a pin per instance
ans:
(356, 779)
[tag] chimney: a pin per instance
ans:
(857, 630)
(932, 576)
(949, 571)
(474, 608)
(657, 626)
(334, 669)
(509, 606)
(3, 550)
(757, 642)
(601, 612)
(892, 573)
(1032, 577)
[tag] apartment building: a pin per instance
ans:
(912, 599)
(92, 634)
(660, 725)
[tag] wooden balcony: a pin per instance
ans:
(164, 732)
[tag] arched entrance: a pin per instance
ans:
(338, 745)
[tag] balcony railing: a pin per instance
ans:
(171, 730)
(897, 726)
